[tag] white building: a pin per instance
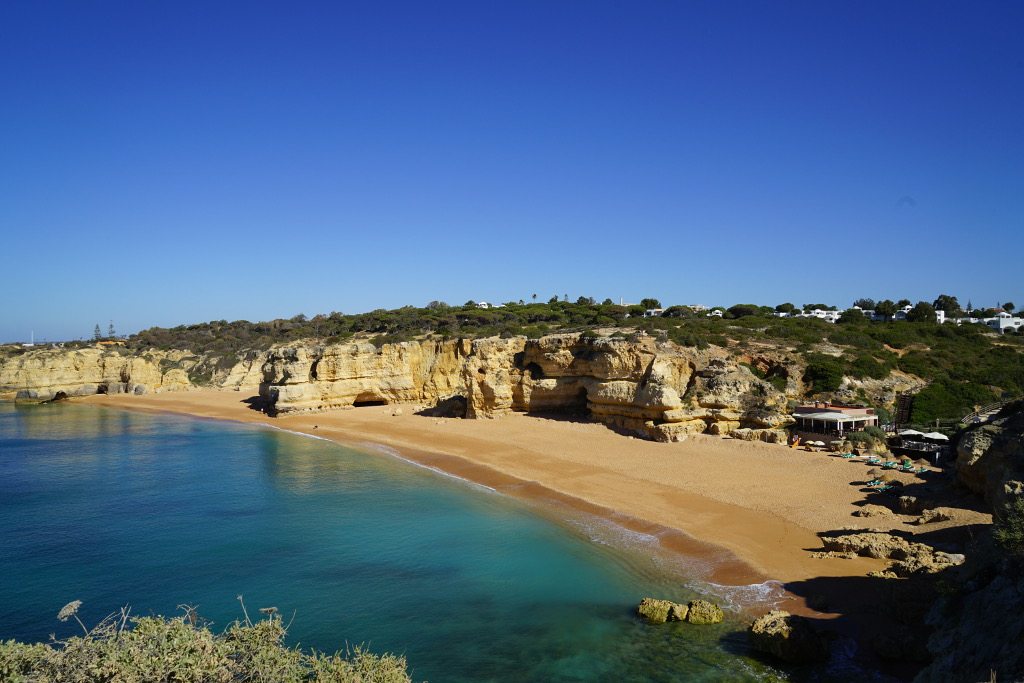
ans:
(653, 312)
(821, 313)
(717, 313)
(1004, 322)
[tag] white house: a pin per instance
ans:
(717, 313)
(827, 316)
(653, 312)
(901, 314)
(1003, 322)
(483, 304)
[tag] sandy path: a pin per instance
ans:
(763, 503)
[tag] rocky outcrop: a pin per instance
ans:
(978, 629)
(704, 612)
(908, 557)
(658, 611)
(42, 374)
(658, 391)
(789, 638)
(990, 457)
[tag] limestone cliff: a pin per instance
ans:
(42, 374)
(978, 622)
(656, 390)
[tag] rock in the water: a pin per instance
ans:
(704, 612)
(660, 611)
(788, 637)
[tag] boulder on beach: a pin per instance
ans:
(660, 611)
(704, 612)
(789, 638)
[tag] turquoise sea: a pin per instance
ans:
(113, 507)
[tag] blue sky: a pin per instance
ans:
(164, 163)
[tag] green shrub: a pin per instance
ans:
(824, 373)
(182, 650)
(945, 399)
(1009, 527)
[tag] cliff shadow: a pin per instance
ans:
(258, 404)
(874, 624)
(453, 406)
(929, 490)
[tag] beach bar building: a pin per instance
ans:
(833, 418)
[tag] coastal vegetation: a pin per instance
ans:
(963, 365)
(184, 649)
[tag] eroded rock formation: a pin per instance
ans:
(790, 638)
(658, 391)
(42, 374)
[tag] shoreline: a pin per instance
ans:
(596, 472)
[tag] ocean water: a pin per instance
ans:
(112, 508)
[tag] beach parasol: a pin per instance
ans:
(936, 435)
(910, 432)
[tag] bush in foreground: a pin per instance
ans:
(124, 649)
(1009, 527)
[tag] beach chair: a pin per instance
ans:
(847, 456)
(889, 465)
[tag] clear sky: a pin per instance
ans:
(173, 162)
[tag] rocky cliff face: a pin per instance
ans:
(637, 385)
(990, 457)
(659, 391)
(42, 374)
(979, 627)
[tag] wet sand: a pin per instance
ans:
(752, 509)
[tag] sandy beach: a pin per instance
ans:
(754, 508)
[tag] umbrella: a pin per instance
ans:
(910, 432)
(936, 435)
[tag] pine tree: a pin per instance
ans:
(110, 330)
(96, 334)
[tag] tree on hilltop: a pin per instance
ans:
(1008, 307)
(922, 312)
(886, 308)
(902, 303)
(785, 308)
(650, 303)
(947, 303)
(607, 302)
(743, 310)
(852, 317)
(96, 334)
(110, 330)
(865, 304)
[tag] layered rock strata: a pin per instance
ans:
(44, 374)
(658, 391)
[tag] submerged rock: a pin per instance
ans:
(660, 611)
(789, 638)
(704, 612)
